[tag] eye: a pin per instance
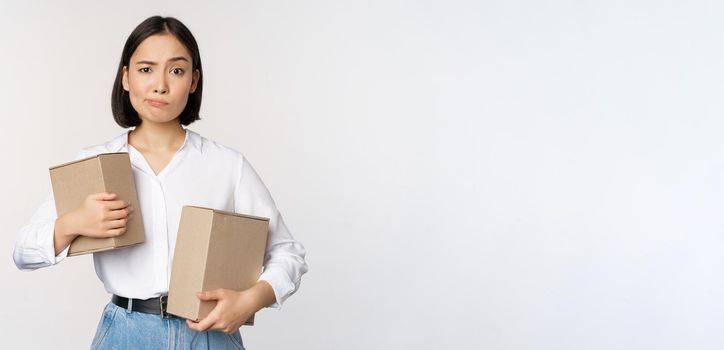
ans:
(179, 70)
(144, 69)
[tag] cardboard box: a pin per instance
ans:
(106, 172)
(214, 249)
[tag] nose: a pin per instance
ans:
(161, 86)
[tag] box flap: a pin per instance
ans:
(230, 213)
(83, 159)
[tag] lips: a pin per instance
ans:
(157, 103)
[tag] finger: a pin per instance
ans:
(113, 224)
(215, 294)
(117, 204)
(120, 213)
(103, 196)
(115, 232)
(208, 322)
(195, 326)
(204, 324)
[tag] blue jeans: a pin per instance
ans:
(120, 329)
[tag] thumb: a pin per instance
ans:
(210, 294)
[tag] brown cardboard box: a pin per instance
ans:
(105, 172)
(214, 249)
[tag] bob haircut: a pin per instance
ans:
(123, 111)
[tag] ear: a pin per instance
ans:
(125, 78)
(195, 81)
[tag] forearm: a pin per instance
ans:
(263, 294)
(62, 237)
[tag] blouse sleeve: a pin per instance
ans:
(35, 242)
(284, 263)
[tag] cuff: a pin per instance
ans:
(280, 283)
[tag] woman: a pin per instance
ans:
(158, 91)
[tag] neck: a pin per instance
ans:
(157, 137)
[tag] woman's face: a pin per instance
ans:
(159, 78)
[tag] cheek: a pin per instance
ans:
(136, 86)
(182, 87)
(184, 83)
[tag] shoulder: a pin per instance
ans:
(211, 146)
(213, 149)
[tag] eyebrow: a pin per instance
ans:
(179, 58)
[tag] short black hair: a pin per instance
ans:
(123, 111)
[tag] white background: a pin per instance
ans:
(464, 175)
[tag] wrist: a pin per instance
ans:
(263, 295)
(64, 228)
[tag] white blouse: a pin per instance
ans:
(201, 173)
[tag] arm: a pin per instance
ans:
(63, 234)
(46, 239)
(284, 262)
(36, 246)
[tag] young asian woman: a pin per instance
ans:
(157, 93)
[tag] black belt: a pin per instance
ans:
(156, 306)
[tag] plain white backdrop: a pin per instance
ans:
(463, 174)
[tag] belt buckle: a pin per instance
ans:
(163, 300)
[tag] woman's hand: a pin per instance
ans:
(233, 308)
(99, 216)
